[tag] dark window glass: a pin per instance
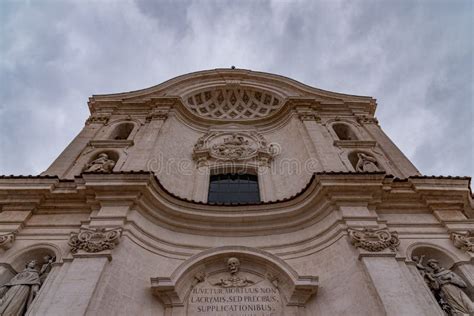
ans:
(233, 188)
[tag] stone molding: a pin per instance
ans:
(355, 143)
(230, 146)
(111, 143)
(463, 241)
(158, 113)
(6, 240)
(374, 239)
(95, 239)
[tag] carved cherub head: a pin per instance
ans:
(233, 264)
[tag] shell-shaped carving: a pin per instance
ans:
(233, 103)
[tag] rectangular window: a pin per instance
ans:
(233, 188)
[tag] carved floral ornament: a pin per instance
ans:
(95, 239)
(464, 241)
(234, 146)
(374, 240)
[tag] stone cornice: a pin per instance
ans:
(144, 190)
(175, 92)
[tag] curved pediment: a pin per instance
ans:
(233, 94)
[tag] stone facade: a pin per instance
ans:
(120, 223)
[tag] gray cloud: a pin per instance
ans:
(415, 57)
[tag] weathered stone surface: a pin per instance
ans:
(125, 203)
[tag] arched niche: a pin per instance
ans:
(429, 251)
(121, 131)
(260, 277)
(16, 261)
(421, 253)
(344, 131)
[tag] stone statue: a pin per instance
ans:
(233, 265)
(101, 164)
(366, 163)
(447, 287)
(17, 294)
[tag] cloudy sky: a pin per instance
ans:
(414, 57)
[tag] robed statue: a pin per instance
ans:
(447, 287)
(101, 164)
(17, 295)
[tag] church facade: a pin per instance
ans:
(233, 192)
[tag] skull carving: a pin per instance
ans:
(233, 264)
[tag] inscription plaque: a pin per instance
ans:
(234, 293)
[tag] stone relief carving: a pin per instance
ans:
(95, 239)
(158, 114)
(446, 286)
(363, 119)
(374, 240)
(366, 163)
(233, 265)
(100, 118)
(6, 240)
(464, 241)
(101, 164)
(233, 102)
(234, 146)
(17, 294)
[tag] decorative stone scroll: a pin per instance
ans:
(95, 239)
(234, 146)
(233, 102)
(6, 240)
(221, 282)
(464, 241)
(374, 240)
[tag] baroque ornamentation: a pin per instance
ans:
(374, 240)
(6, 240)
(233, 102)
(234, 146)
(17, 294)
(364, 119)
(101, 164)
(99, 118)
(95, 239)
(464, 241)
(366, 163)
(446, 286)
(158, 114)
(234, 280)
